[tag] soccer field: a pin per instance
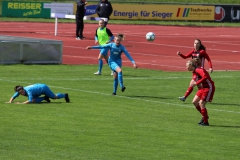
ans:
(145, 122)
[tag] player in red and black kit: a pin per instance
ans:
(205, 93)
(199, 51)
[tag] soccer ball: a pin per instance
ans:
(150, 36)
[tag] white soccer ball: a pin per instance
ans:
(150, 36)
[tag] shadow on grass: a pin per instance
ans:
(148, 97)
(226, 104)
(54, 102)
(224, 126)
(125, 75)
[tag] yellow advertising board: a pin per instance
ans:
(162, 12)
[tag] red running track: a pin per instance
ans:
(222, 43)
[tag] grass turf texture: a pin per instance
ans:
(147, 121)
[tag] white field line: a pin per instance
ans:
(110, 78)
(125, 97)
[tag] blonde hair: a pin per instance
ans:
(194, 62)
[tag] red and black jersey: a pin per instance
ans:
(201, 54)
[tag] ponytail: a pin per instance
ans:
(201, 47)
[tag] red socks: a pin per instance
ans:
(199, 109)
(205, 114)
(188, 92)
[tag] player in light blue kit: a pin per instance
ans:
(115, 60)
(33, 92)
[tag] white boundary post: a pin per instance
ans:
(56, 16)
(56, 25)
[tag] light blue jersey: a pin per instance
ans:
(36, 90)
(115, 54)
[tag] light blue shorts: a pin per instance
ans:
(114, 65)
(104, 51)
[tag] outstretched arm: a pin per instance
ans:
(130, 58)
(16, 94)
(11, 100)
(205, 55)
(26, 102)
(184, 56)
(99, 47)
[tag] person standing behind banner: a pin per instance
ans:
(79, 19)
(104, 10)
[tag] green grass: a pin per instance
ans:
(146, 122)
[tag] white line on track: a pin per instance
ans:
(145, 54)
(158, 44)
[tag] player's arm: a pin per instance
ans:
(110, 35)
(96, 37)
(205, 55)
(16, 94)
(99, 47)
(129, 57)
(30, 99)
(185, 56)
(26, 102)
(202, 75)
(11, 100)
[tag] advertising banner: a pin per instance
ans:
(157, 12)
(63, 8)
(227, 13)
(24, 9)
(120, 11)
(163, 12)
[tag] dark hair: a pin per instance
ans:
(18, 88)
(121, 36)
(102, 20)
(201, 47)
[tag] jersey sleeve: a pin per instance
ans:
(205, 55)
(109, 32)
(187, 55)
(96, 34)
(30, 98)
(127, 54)
(15, 95)
(200, 71)
(102, 46)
